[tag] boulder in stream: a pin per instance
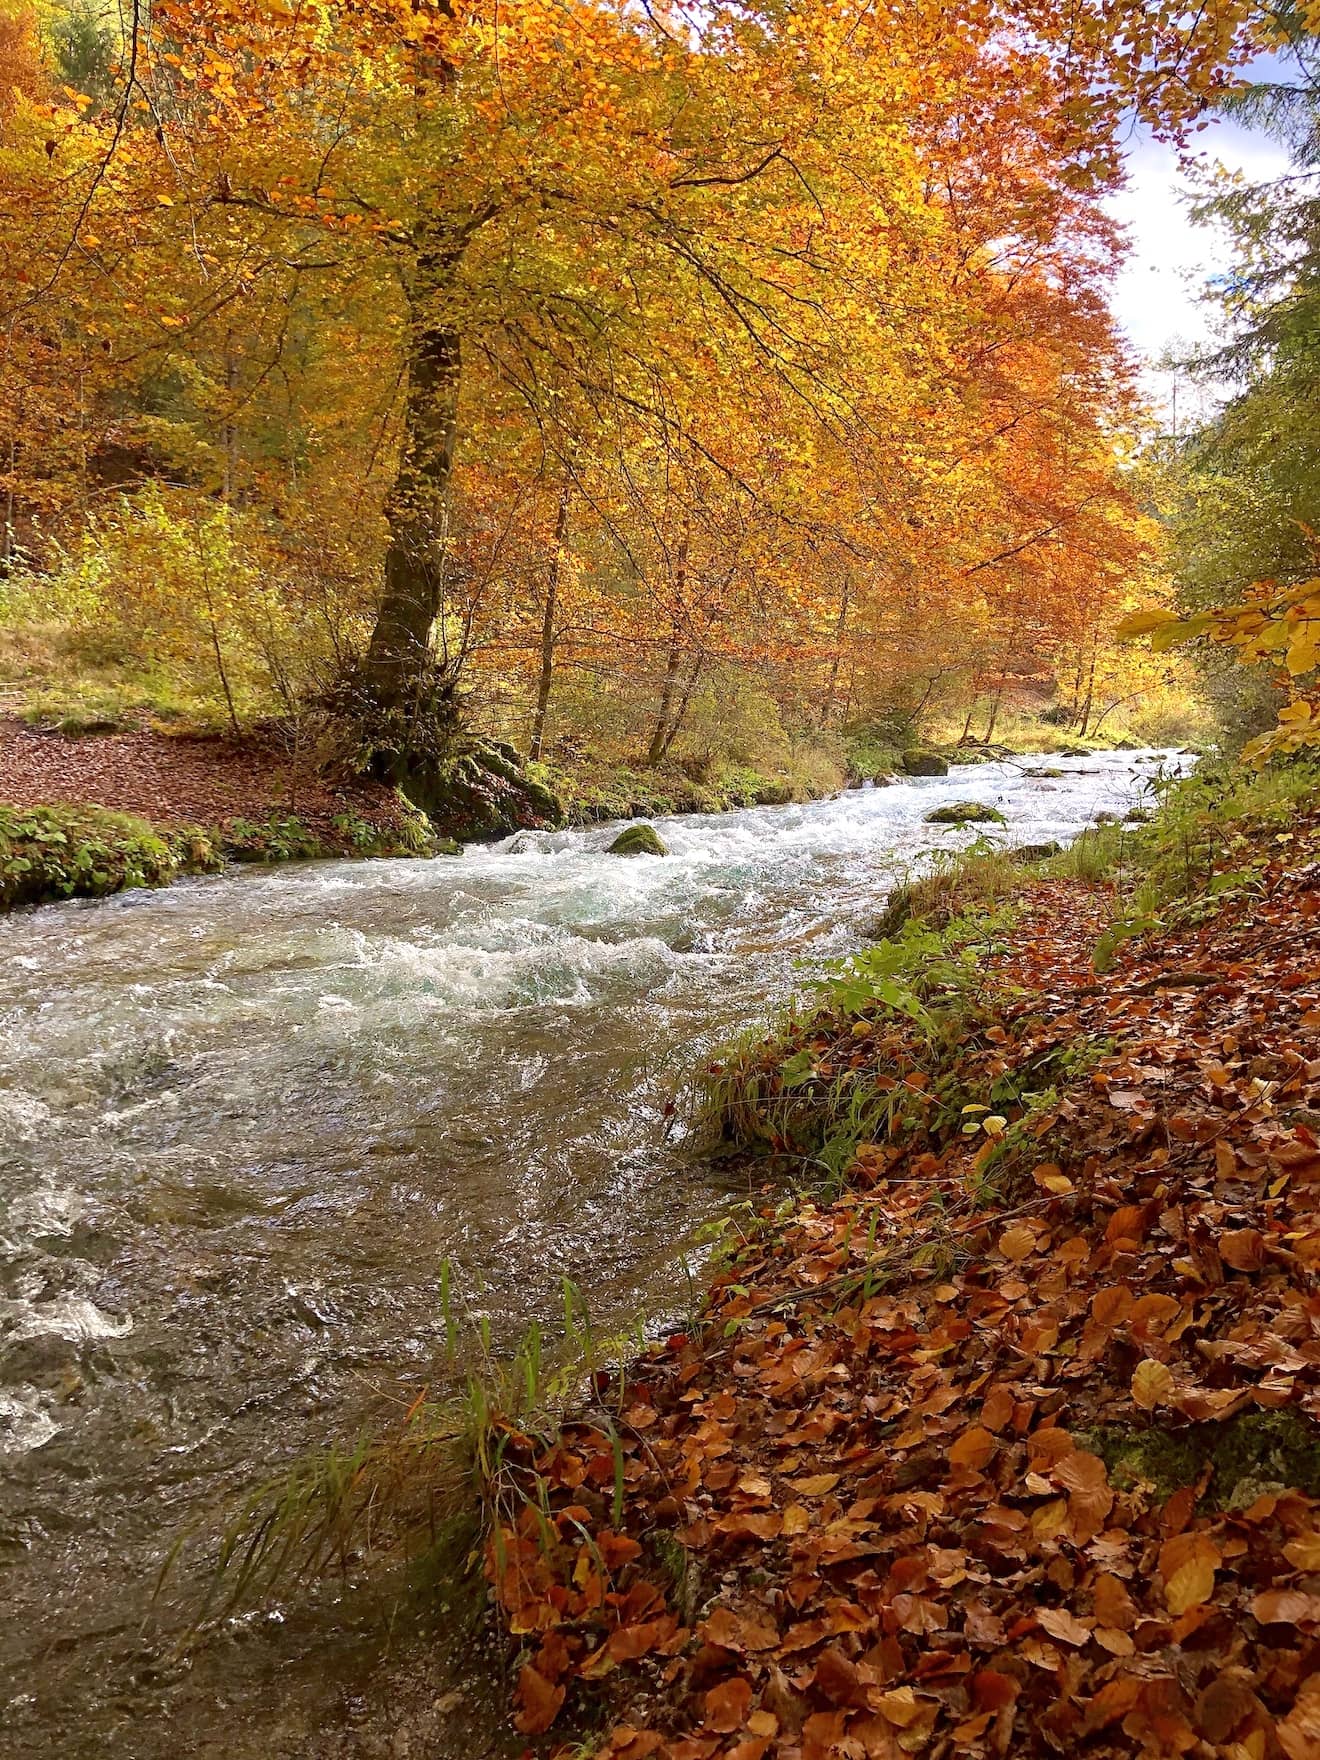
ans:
(919, 762)
(966, 813)
(638, 840)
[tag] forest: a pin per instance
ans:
(780, 1223)
(626, 385)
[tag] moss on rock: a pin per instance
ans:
(639, 840)
(919, 762)
(1244, 1456)
(966, 813)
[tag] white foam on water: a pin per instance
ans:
(71, 1317)
(23, 1117)
(45, 1212)
(24, 1422)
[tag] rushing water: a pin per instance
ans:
(242, 1123)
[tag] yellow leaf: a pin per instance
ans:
(1190, 1585)
(1017, 1244)
(1304, 1551)
(816, 1485)
(898, 1707)
(1141, 623)
(1152, 1384)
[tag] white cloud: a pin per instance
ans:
(1156, 296)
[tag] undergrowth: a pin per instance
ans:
(49, 853)
(442, 1485)
(870, 1053)
(1212, 839)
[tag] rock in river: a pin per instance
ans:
(966, 813)
(922, 763)
(639, 840)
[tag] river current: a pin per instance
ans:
(245, 1120)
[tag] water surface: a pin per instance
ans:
(242, 1123)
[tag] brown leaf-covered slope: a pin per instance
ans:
(1037, 1478)
(174, 780)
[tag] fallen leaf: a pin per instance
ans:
(1242, 1248)
(538, 1700)
(1017, 1244)
(1064, 1626)
(1152, 1384)
(816, 1484)
(727, 1705)
(1304, 1551)
(974, 1449)
(899, 1706)
(1277, 1607)
(1190, 1585)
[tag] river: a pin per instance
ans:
(243, 1122)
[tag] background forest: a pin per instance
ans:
(704, 389)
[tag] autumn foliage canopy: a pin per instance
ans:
(595, 351)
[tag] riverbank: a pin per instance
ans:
(93, 814)
(1001, 1437)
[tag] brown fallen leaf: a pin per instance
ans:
(1017, 1244)
(727, 1705)
(1242, 1248)
(1289, 1607)
(974, 1449)
(1064, 1626)
(538, 1700)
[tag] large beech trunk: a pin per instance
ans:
(417, 513)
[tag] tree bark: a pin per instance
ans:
(548, 630)
(840, 627)
(995, 702)
(1089, 699)
(966, 733)
(417, 510)
(656, 750)
(680, 713)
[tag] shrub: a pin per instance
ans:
(51, 853)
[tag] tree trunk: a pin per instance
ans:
(1089, 699)
(994, 715)
(656, 750)
(548, 629)
(417, 510)
(827, 707)
(230, 433)
(682, 708)
(966, 733)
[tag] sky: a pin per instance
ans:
(1156, 297)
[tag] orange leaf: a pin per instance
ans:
(1242, 1248)
(1017, 1244)
(974, 1448)
(727, 1705)
(538, 1701)
(898, 1707)
(1304, 1551)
